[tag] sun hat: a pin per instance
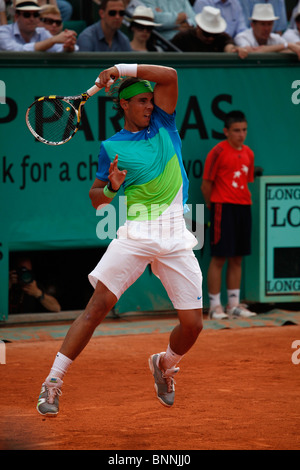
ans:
(143, 15)
(30, 5)
(210, 20)
(263, 12)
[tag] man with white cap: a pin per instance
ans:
(208, 36)
(259, 38)
(279, 7)
(231, 11)
(26, 35)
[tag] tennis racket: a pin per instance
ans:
(54, 120)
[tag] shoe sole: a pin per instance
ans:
(151, 367)
(48, 415)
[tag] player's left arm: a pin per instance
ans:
(116, 178)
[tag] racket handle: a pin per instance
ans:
(94, 89)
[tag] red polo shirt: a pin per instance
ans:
(230, 170)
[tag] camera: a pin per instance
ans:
(25, 276)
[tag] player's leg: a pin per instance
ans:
(185, 334)
(76, 339)
(164, 365)
(122, 263)
(181, 275)
(81, 331)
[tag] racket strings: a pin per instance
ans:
(54, 119)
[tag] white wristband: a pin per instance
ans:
(127, 70)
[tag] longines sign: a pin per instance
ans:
(282, 250)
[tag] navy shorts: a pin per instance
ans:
(230, 229)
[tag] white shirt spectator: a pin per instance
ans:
(291, 35)
(247, 39)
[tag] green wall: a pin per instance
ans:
(44, 190)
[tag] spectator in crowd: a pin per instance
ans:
(130, 6)
(50, 19)
(259, 38)
(105, 35)
(174, 15)
(26, 293)
(142, 25)
(231, 11)
(3, 18)
(295, 12)
(279, 8)
(26, 35)
(66, 9)
(208, 36)
(293, 34)
(228, 169)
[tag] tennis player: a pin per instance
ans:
(145, 157)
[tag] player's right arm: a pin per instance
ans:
(165, 79)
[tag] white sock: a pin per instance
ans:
(170, 358)
(214, 299)
(233, 296)
(60, 366)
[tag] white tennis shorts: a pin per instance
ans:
(176, 266)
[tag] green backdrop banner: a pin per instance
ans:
(44, 190)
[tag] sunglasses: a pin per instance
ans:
(49, 21)
(141, 27)
(28, 14)
(115, 12)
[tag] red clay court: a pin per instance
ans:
(238, 388)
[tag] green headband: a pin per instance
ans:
(143, 86)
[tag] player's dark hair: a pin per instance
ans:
(115, 92)
(233, 117)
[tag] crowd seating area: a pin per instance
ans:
(85, 12)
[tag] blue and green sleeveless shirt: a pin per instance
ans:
(153, 160)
